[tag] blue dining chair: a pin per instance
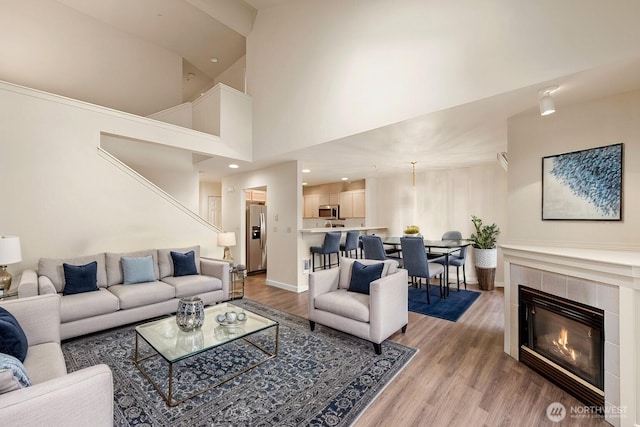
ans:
(373, 248)
(330, 245)
(457, 258)
(415, 262)
(350, 244)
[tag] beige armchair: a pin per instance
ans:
(55, 398)
(372, 317)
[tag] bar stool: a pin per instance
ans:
(350, 244)
(330, 245)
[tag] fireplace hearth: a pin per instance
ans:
(563, 340)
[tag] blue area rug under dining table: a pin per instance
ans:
(450, 308)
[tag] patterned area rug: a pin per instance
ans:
(318, 378)
(450, 308)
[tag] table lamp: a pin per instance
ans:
(227, 239)
(9, 254)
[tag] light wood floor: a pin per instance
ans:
(460, 376)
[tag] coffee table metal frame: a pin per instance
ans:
(172, 357)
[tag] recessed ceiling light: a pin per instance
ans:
(304, 183)
(214, 59)
(306, 170)
(233, 166)
(344, 178)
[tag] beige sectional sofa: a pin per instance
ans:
(55, 398)
(116, 303)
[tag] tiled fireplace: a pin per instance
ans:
(606, 282)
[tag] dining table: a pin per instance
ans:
(440, 247)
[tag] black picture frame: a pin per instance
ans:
(584, 185)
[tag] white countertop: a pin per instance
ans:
(327, 229)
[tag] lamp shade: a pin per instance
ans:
(547, 106)
(227, 239)
(10, 250)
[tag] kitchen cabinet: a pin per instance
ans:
(328, 199)
(256, 195)
(352, 204)
(311, 203)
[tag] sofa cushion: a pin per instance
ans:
(115, 275)
(362, 276)
(11, 364)
(344, 303)
(13, 340)
(344, 280)
(137, 269)
(193, 285)
(165, 263)
(183, 264)
(80, 278)
(142, 294)
(87, 304)
(52, 268)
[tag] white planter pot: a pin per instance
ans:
(486, 258)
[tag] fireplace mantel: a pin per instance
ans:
(567, 269)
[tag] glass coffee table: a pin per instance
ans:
(165, 339)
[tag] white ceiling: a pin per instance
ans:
(461, 136)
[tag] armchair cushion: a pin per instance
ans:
(362, 276)
(11, 364)
(80, 278)
(13, 340)
(346, 304)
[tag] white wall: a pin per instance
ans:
(320, 70)
(169, 168)
(66, 200)
(208, 189)
(49, 46)
(591, 124)
(234, 76)
(284, 192)
(443, 200)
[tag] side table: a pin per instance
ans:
(236, 280)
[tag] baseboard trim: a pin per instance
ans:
(285, 286)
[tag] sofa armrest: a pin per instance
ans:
(28, 285)
(39, 317)
(321, 282)
(389, 305)
(219, 269)
(89, 391)
(45, 286)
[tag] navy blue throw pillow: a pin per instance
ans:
(184, 264)
(362, 276)
(80, 278)
(13, 341)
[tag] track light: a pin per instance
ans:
(546, 101)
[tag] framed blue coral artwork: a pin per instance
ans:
(583, 185)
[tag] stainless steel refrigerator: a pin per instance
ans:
(256, 238)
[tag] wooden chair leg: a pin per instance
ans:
(404, 329)
(312, 325)
(428, 291)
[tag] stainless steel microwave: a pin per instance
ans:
(329, 211)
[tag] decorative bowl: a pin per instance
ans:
(231, 318)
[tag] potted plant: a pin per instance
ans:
(485, 252)
(412, 231)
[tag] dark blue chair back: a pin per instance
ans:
(331, 242)
(452, 235)
(351, 242)
(414, 256)
(373, 248)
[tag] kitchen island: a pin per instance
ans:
(367, 230)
